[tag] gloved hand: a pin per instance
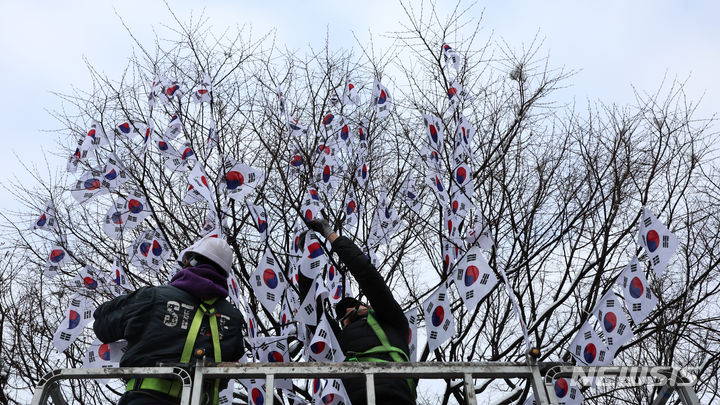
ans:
(321, 226)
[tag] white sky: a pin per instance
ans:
(614, 43)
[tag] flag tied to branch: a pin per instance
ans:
(639, 300)
(615, 325)
(78, 314)
(659, 243)
(588, 349)
(126, 213)
(268, 281)
(46, 221)
(439, 321)
(381, 101)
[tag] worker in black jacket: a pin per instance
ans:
(379, 325)
(166, 324)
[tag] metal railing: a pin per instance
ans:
(540, 375)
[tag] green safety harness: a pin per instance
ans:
(396, 354)
(173, 387)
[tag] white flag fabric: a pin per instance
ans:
(234, 291)
(156, 91)
(410, 195)
(325, 172)
(203, 91)
(461, 190)
(434, 181)
(78, 314)
(324, 347)
(451, 57)
(96, 136)
(119, 282)
(434, 129)
(350, 93)
(115, 174)
(615, 324)
(588, 349)
(240, 179)
(479, 233)
(91, 184)
(250, 319)
(105, 355)
(255, 391)
(639, 300)
(212, 136)
(333, 393)
(87, 281)
(660, 244)
(381, 100)
(58, 255)
(297, 161)
(362, 173)
(351, 208)
(452, 226)
(306, 313)
(146, 133)
(439, 321)
(474, 278)
(199, 182)
(456, 93)
(268, 281)
(314, 258)
(259, 218)
(450, 253)
(362, 133)
(126, 213)
(273, 349)
(86, 146)
(385, 222)
(170, 89)
(464, 134)
(180, 161)
(412, 319)
(333, 281)
(226, 395)
(568, 392)
(128, 127)
(46, 221)
(287, 312)
(150, 251)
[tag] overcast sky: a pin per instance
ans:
(614, 44)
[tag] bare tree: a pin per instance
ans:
(560, 189)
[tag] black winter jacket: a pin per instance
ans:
(358, 336)
(155, 322)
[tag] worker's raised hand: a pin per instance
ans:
(321, 226)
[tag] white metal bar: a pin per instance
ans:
(269, 389)
(370, 388)
(469, 390)
(50, 379)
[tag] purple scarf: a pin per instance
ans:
(202, 281)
